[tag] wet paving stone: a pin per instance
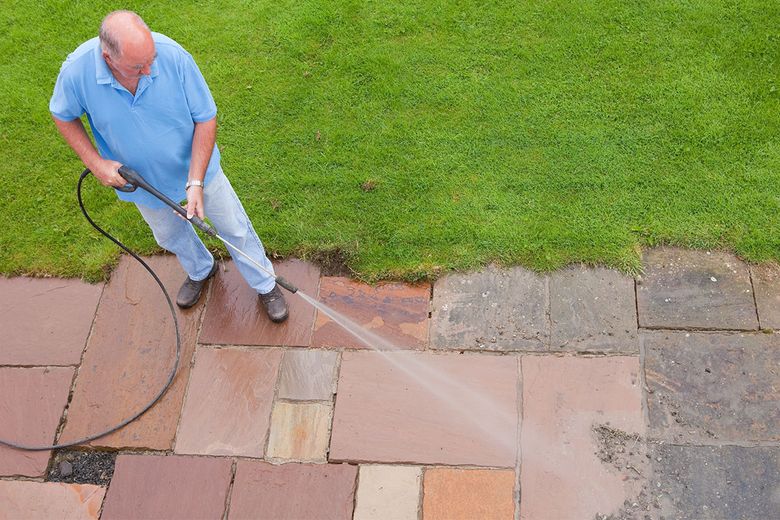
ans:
(766, 281)
(229, 400)
(592, 310)
(25, 499)
(388, 492)
(496, 309)
(451, 494)
(235, 315)
(45, 321)
(129, 358)
(396, 312)
(150, 486)
(299, 491)
(716, 482)
(695, 289)
(426, 408)
(569, 403)
(32, 401)
(308, 375)
(82, 467)
(705, 386)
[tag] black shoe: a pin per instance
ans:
(275, 305)
(190, 291)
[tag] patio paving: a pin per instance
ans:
(505, 394)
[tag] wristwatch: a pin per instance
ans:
(193, 182)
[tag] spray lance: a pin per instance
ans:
(135, 180)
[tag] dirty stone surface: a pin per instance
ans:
(495, 394)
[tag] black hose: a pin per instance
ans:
(178, 345)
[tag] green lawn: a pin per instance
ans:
(412, 138)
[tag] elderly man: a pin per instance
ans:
(150, 108)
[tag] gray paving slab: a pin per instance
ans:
(308, 375)
(713, 386)
(495, 309)
(766, 283)
(716, 482)
(695, 289)
(592, 309)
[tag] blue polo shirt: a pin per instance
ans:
(150, 132)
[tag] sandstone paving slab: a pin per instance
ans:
(235, 315)
(45, 500)
(300, 431)
(567, 401)
(308, 375)
(465, 494)
(426, 408)
(32, 401)
(396, 312)
(229, 400)
(592, 309)
(151, 486)
(496, 309)
(695, 289)
(386, 492)
(715, 482)
(129, 358)
(45, 321)
(766, 283)
(292, 491)
(705, 386)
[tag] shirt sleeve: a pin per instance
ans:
(64, 103)
(199, 98)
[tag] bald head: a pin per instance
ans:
(123, 31)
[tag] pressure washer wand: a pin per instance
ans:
(135, 180)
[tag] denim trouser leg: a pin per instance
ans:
(226, 213)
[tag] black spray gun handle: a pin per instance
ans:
(135, 180)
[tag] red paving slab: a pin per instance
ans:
(396, 312)
(31, 404)
(45, 500)
(564, 400)
(466, 494)
(229, 402)
(426, 408)
(45, 321)
(129, 358)
(149, 486)
(235, 315)
(292, 491)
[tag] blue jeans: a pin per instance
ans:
(226, 213)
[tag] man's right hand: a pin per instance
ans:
(106, 171)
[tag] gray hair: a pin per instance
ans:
(108, 39)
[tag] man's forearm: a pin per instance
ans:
(76, 136)
(203, 140)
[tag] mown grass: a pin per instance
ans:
(420, 137)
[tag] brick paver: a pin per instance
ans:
(396, 312)
(491, 310)
(45, 321)
(46, 500)
(707, 386)
(129, 358)
(695, 289)
(228, 406)
(458, 494)
(592, 309)
(426, 408)
(236, 316)
(150, 486)
(388, 492)
(566, 403)
(31, 404)
(300, 491)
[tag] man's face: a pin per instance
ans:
(135, 61)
